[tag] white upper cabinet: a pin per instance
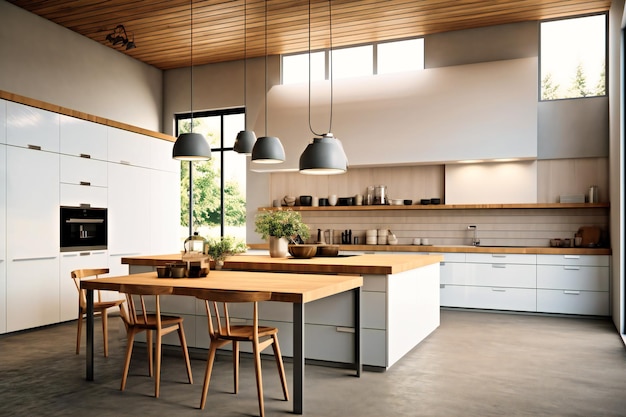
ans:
(128, 148)
(83, 171)
(83, 138)
(29, 127)
(3, 121)
(161, 156)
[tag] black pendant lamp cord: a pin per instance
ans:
(191, 60)
(330, 55)
(265, 68)
(245, 64)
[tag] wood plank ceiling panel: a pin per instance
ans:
(161, 28)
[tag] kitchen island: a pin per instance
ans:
(400, 305)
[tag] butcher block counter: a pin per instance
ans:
(399, 305)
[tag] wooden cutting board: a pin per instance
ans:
(590, 236)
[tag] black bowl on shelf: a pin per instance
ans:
(306, 200)
(435, 201)
(323, 202)
(408, 202)
(424, 201)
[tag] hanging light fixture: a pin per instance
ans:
(267, 149)
(191, 146)
(325, 155)
(246, 138)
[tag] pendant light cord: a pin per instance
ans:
(245, 64)
(330, 55)
(191, 60)
(265, 67)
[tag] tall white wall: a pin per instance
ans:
(42, 60)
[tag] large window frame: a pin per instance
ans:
(225, 146)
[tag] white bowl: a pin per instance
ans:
(397, 202)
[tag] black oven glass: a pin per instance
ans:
(83, 228)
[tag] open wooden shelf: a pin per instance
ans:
(447, 207)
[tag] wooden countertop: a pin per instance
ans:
(538, 250)
(379, 264)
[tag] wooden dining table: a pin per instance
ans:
(294, 288)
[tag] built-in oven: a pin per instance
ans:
(83, 228)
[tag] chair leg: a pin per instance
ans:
(79, 330)
(183, 345)
(105, 332)
(281, 368)
(150, 352)
(157, 359)
(235, 366)
(259, 377)
(130, 339)
(207, 373)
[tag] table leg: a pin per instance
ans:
(89, 336)
(298, 357)
(358, 360)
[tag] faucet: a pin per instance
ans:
(475, 240)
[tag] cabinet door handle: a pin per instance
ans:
(125, 162)
(571, 268)
(442, 285)
(85, 155)
(498, 289)
(571, 292)
(498, 266)
(34, 147)
(87, 183)
(571, 256)
(345, 329)
(85, 254)
(43, 258)
(497, 255)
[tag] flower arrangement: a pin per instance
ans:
(220, 248)
(281, 223)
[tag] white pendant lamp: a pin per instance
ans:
(267, 149)
(246, 138)
(191, 146)
(325, 154)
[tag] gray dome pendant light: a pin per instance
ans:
(191, 146)
(267, 149)
(246, 138)
(325, 155)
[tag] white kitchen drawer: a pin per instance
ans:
(502, 275)
(28, 126)
(587, 260)
(82, 137)
(450, 256)
(268, 310)
(128, 148)
(336, 310)
(497, 298)
(565, 277)
(328, 343)
(374, 347)
(373, 310)
(507, 258)
(453, 273)
(83, 171)
(75, 195)
(573, 302)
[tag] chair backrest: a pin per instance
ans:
(141, 291)
(222, 320)
(79, 274)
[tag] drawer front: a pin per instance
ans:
(587, 260)
(502, 275)
(83, 171)
(374, 310)
(502, 258)
(374, 347)
(573, 302)
(563, 277)
(453, 273)
(75, 195)
(497, 298)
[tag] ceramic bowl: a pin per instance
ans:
(306, 200)
(327, 250)
(302, 251)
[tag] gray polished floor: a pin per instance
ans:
(475, 364)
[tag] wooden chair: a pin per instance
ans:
(99, 307)
(260, 336)
(139, 320)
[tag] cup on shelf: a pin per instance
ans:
(332, 199)
(315, 201)
(417, 241)
(425, 241)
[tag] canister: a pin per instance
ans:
(593, 194)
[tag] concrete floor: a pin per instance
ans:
(475, 364)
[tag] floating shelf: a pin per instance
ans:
(447, 207)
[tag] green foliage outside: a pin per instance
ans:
(206, 192)
(578, 87)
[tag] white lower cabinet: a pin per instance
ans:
(68, 294)
(573, 284)
(3, 262)
(495, 298)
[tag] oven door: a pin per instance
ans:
(83, 228)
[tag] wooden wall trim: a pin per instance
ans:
(80, 115)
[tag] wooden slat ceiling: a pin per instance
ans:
(161, 28)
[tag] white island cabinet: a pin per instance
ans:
(3, 232)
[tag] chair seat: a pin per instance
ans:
(245, 333)
(107, 304)
(151, 322)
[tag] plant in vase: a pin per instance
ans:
(221, 247)
(280, 226)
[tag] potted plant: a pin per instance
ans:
(281, 226)
(219, 248)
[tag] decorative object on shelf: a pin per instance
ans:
(302, 251)
(195, 256)
(325, 155)
(119, 38)
(267, 149)
(191, 146)
(280, 227)
(246, 138)
(221, 247)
